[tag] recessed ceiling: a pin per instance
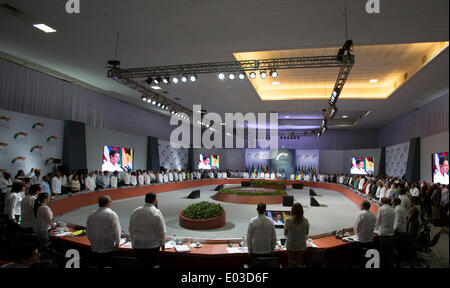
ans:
(379, 70)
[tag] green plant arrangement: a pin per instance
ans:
(203, 210)
(250, 193)
(266, 182)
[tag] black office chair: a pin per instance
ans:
(403, 248)
(316, 259)
(264, 262)
(125, 262)
(387, 244)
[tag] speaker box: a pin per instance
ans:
(288, 200)
(246, 183)
(220, 187)
(194, 194)
(314, 202)
(297, 186)
(312, 193)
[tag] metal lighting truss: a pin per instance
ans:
(133, 77)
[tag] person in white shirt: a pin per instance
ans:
(383, 192)
(211, 175)
(147, 180)
(103, 231)
(13, 208)
(160, 177)
(377, 193)
(69, 179)
(183, 175)
(176, 175)
(56, 184)
(152, 176)
(367, 190)
(307, 177)
(414, 191)
(441, 176)
(245, 175)
(127, 178)
(224, 175)
(64, 183)
(166, 177)
(261, 236)
(75, 185)
(253, 175)
(43, 222)
(365, 225)
(140, 178)
(90, 182)
(36, 179)
(385, 219)
(361, 184)
(388, 187)
(113, 163)
(272, 175)
(401, 215)
(359, 168)
(219, 175)
(147, 231)
(106, 179)
(27, 209)
(133, 179)
(405, 202)
(114, 179)
(170, 176)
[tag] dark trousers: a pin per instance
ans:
(147, 257)
(103, 260)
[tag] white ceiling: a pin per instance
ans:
(193, 31)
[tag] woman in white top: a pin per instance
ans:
(13, 201)
(43, 219)
(296, 228)
(75, 184)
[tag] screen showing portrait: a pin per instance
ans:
(117, 159)
(278, 217)
(208, 161)
(440, 167)
(362, 166)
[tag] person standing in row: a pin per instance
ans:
(13, 205)
(147, 231)
(43, 220)
(103, 231)
(296, 229)
(261, 236)
(27, 209)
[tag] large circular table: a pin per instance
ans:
(213, 252)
